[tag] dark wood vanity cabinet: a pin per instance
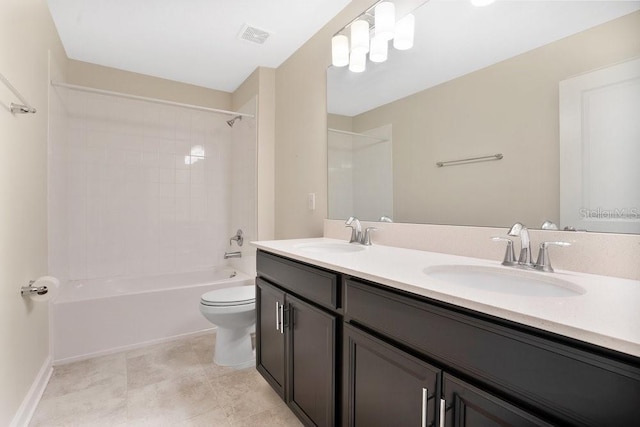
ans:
(495, 371)
(270, 356)
(464, 405)
(312, 362)
(296, 336)
(357, 353)
(384, 386)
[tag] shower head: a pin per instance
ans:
(232, 121)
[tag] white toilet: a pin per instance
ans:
(233, 311)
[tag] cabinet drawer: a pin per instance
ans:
(576, 386)
(315, 284)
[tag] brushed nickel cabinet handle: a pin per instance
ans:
(443, 409)
(282, 318)
(425, 398)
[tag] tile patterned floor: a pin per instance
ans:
(171, 384)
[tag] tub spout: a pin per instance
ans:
(236, 254)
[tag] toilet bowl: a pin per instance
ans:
(233, 311)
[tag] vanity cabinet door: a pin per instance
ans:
(384, 386)
(270, 337)
(311, 362)
(468, 406)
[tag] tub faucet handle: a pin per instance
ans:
(238, 238)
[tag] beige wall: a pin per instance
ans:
(261, 83)
(26, 35)
(301, 131)
(509, 108)
(335, 121)
(99, 77)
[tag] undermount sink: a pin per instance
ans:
(505, 280)
(329, 247)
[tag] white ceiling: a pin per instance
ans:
(191, 41)
(454, 38)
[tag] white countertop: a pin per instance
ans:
(607, 314)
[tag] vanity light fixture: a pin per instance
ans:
(381, 18)
(480, 3)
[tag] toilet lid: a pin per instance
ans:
(237, 295)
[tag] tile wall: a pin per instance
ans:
(147, 188)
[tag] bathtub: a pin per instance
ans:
(101, 316)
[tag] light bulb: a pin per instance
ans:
(357, 61)
(360, 36)
(403, 38)
(379, 49)
(385, 20)
(339, 51)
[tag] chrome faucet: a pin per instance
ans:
(357, 236)
(543, 263)
(525, 243)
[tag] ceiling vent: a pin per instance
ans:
(253, 34)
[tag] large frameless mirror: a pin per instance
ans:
(517, 111)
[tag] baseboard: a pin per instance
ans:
(86, 356)
(31, 400)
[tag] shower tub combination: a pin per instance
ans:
(101, 316)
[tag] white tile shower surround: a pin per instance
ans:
(137, 200)
(171, 384)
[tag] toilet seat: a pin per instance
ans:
(230, 297)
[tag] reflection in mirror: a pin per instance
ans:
(536, 81)
(360, 173)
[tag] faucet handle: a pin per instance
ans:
(356, 231)
(354, 234)
(366, 238)
(544, 263)
(509, 254)
(238, 238)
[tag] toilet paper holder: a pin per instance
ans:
(33, 290)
